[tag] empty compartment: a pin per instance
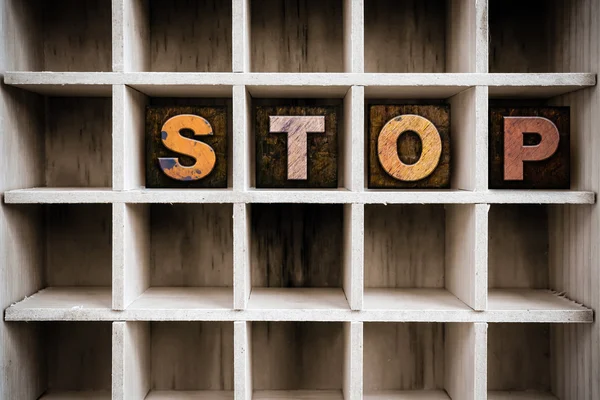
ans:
(300, 358)
(61, 35)
(296, 36)
(409, 258)
(536, 36)
(73, 360)
(527, 246)
(520, 362)
(175, 360)
(183, 255)
(297, 255)
(405, 36)
(68, 139)
(408, 361)
(179, 36)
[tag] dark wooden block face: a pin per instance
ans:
(409, 146)
(216, 116)
(272, 149)
(550, 173)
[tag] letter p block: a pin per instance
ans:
(529, 148)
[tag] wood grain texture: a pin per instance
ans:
(550, 173)
(78, 142)
(404, 246)
(296, 36)
(272, 154)
(78, 245)
(296, 245)
(411, 149)
(519, 357)
(156, 117)
(78, 355)
(191, 245)
(405, 36)
(191, 356)
(518, 246)
(190, 35)
(297, 355)
(405, 356)
(76, 35)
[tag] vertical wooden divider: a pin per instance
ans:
(131, 360)
(241, 211)
(131, 233)
(242, 363)
(353, 251)
(354, 36)
(467, 36)
(353, 361)
(465, 369)
(240, 35)
(466, 253)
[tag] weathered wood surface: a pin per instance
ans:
(417, 155)
(156, 117)
(296, 245)
(272, 149)
(552, 172)
(297, 128)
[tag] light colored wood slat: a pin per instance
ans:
(297, 299)
(105, 195)
(129, 133)
(76, 395)
(242, 143)
(421, 85)
(131, 360)
(353, 140)
(298, 395)
(407, 395)
(516, 395)
(465, 361)
(242, 342)
(180, 298)
(242, 268)
(462, 41)
(64, 307)
(353, 361)
(463, 125)
(412, 299)
(353, 252)
(241, 36)
(466, 253)
(354, 36)
(190, 395)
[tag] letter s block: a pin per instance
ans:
(409, 146)
(186, 147)
(296, 146)
(529, 148)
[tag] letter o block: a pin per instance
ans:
(409, 146)
(529, 148)
(186, 147)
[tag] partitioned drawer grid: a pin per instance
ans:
(117, 291)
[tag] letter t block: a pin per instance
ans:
(296, 147)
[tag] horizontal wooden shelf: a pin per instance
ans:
(212, 304)
(297, 299)
(75, 395)
(336, 196)
(516, 395)
(190, 395)
(378, 85)
(426, 300)
(407, 395)
(297, 395)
